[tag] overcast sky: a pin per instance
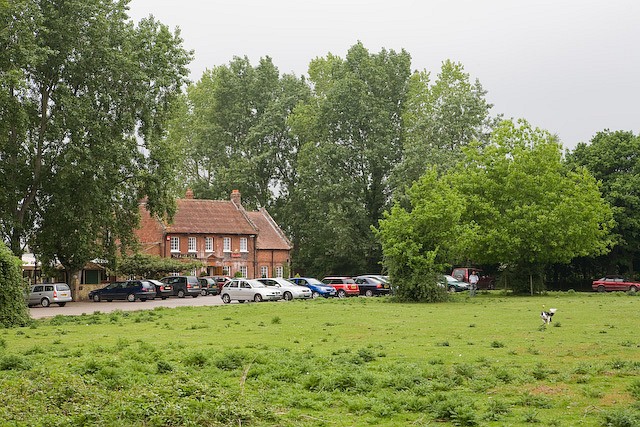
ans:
(571, 67)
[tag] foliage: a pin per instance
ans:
(152, 266)
(415, 242)
(86, 96)
(235, 131)
(13, 310)
(351, 133)
(151, 368)
(527, 208)
(438, 120)
(613, 158)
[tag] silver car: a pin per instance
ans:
(289, 289)
(243, 290)
(49, 293)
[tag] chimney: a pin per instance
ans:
(235, 198)
(188, 194)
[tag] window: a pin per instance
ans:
(192, 244)
(226, 270)
(243, 244)
(264, 271)
(243, 271)
(227, 244)
(279, 271)
(208, 244)
(175, 244)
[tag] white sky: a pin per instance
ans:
(571, 67)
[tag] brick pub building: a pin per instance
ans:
(220, 233)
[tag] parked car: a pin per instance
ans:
(454, 285)
(130, 290)
(48, 293)
(615, 283)
(345, 286)
(485, 281)
(289, 289)
(318, 289)
(163, 290)
(243, 290)
(208, 286)
(370, 286)
(183, 285)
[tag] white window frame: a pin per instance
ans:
(208, 244)
(193, 244)
(279, 271)
(227, 244)
(264, 271)
(244, 245)
(243, 270)
(175, 244)
(226, 270)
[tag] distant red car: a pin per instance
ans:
(345, 286)
(615, 283)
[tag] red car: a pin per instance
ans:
(615, 283)
(345, 286)
(484, 282)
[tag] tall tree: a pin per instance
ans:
(439, 119)
(85, 99)
(613, 158)
(352, 136)
(236, 131)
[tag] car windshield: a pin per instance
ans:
(314, 282)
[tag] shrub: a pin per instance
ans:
(13, 310)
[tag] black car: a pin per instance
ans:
(163, 290)
(371, 286)
(183, 285)
(209, 286)
(130, 290)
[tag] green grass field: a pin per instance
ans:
(485, 361)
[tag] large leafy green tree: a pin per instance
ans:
(521, 207)
(235, 129)
(352, 136)
(85, 99)
(613, 158)
(439, 119)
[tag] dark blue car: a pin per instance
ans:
(318, 289)
(130, 290)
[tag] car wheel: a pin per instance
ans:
(226, 298)
(315, 294)
(633, 288)
(452, 288)
(287, 296)
(601, 288)
(368, 293)
(131, 297)
(257, 298)
(62, 304)
(96, 298)
(203, 292)
(180, 293)
(45, 302)
(342, 293)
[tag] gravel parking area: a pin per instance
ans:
(89, 307)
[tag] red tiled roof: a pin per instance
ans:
(210, 216)
(270, 236)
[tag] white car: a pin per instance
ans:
(243, 290)
(289, 289)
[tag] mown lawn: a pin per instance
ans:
(484, 361)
